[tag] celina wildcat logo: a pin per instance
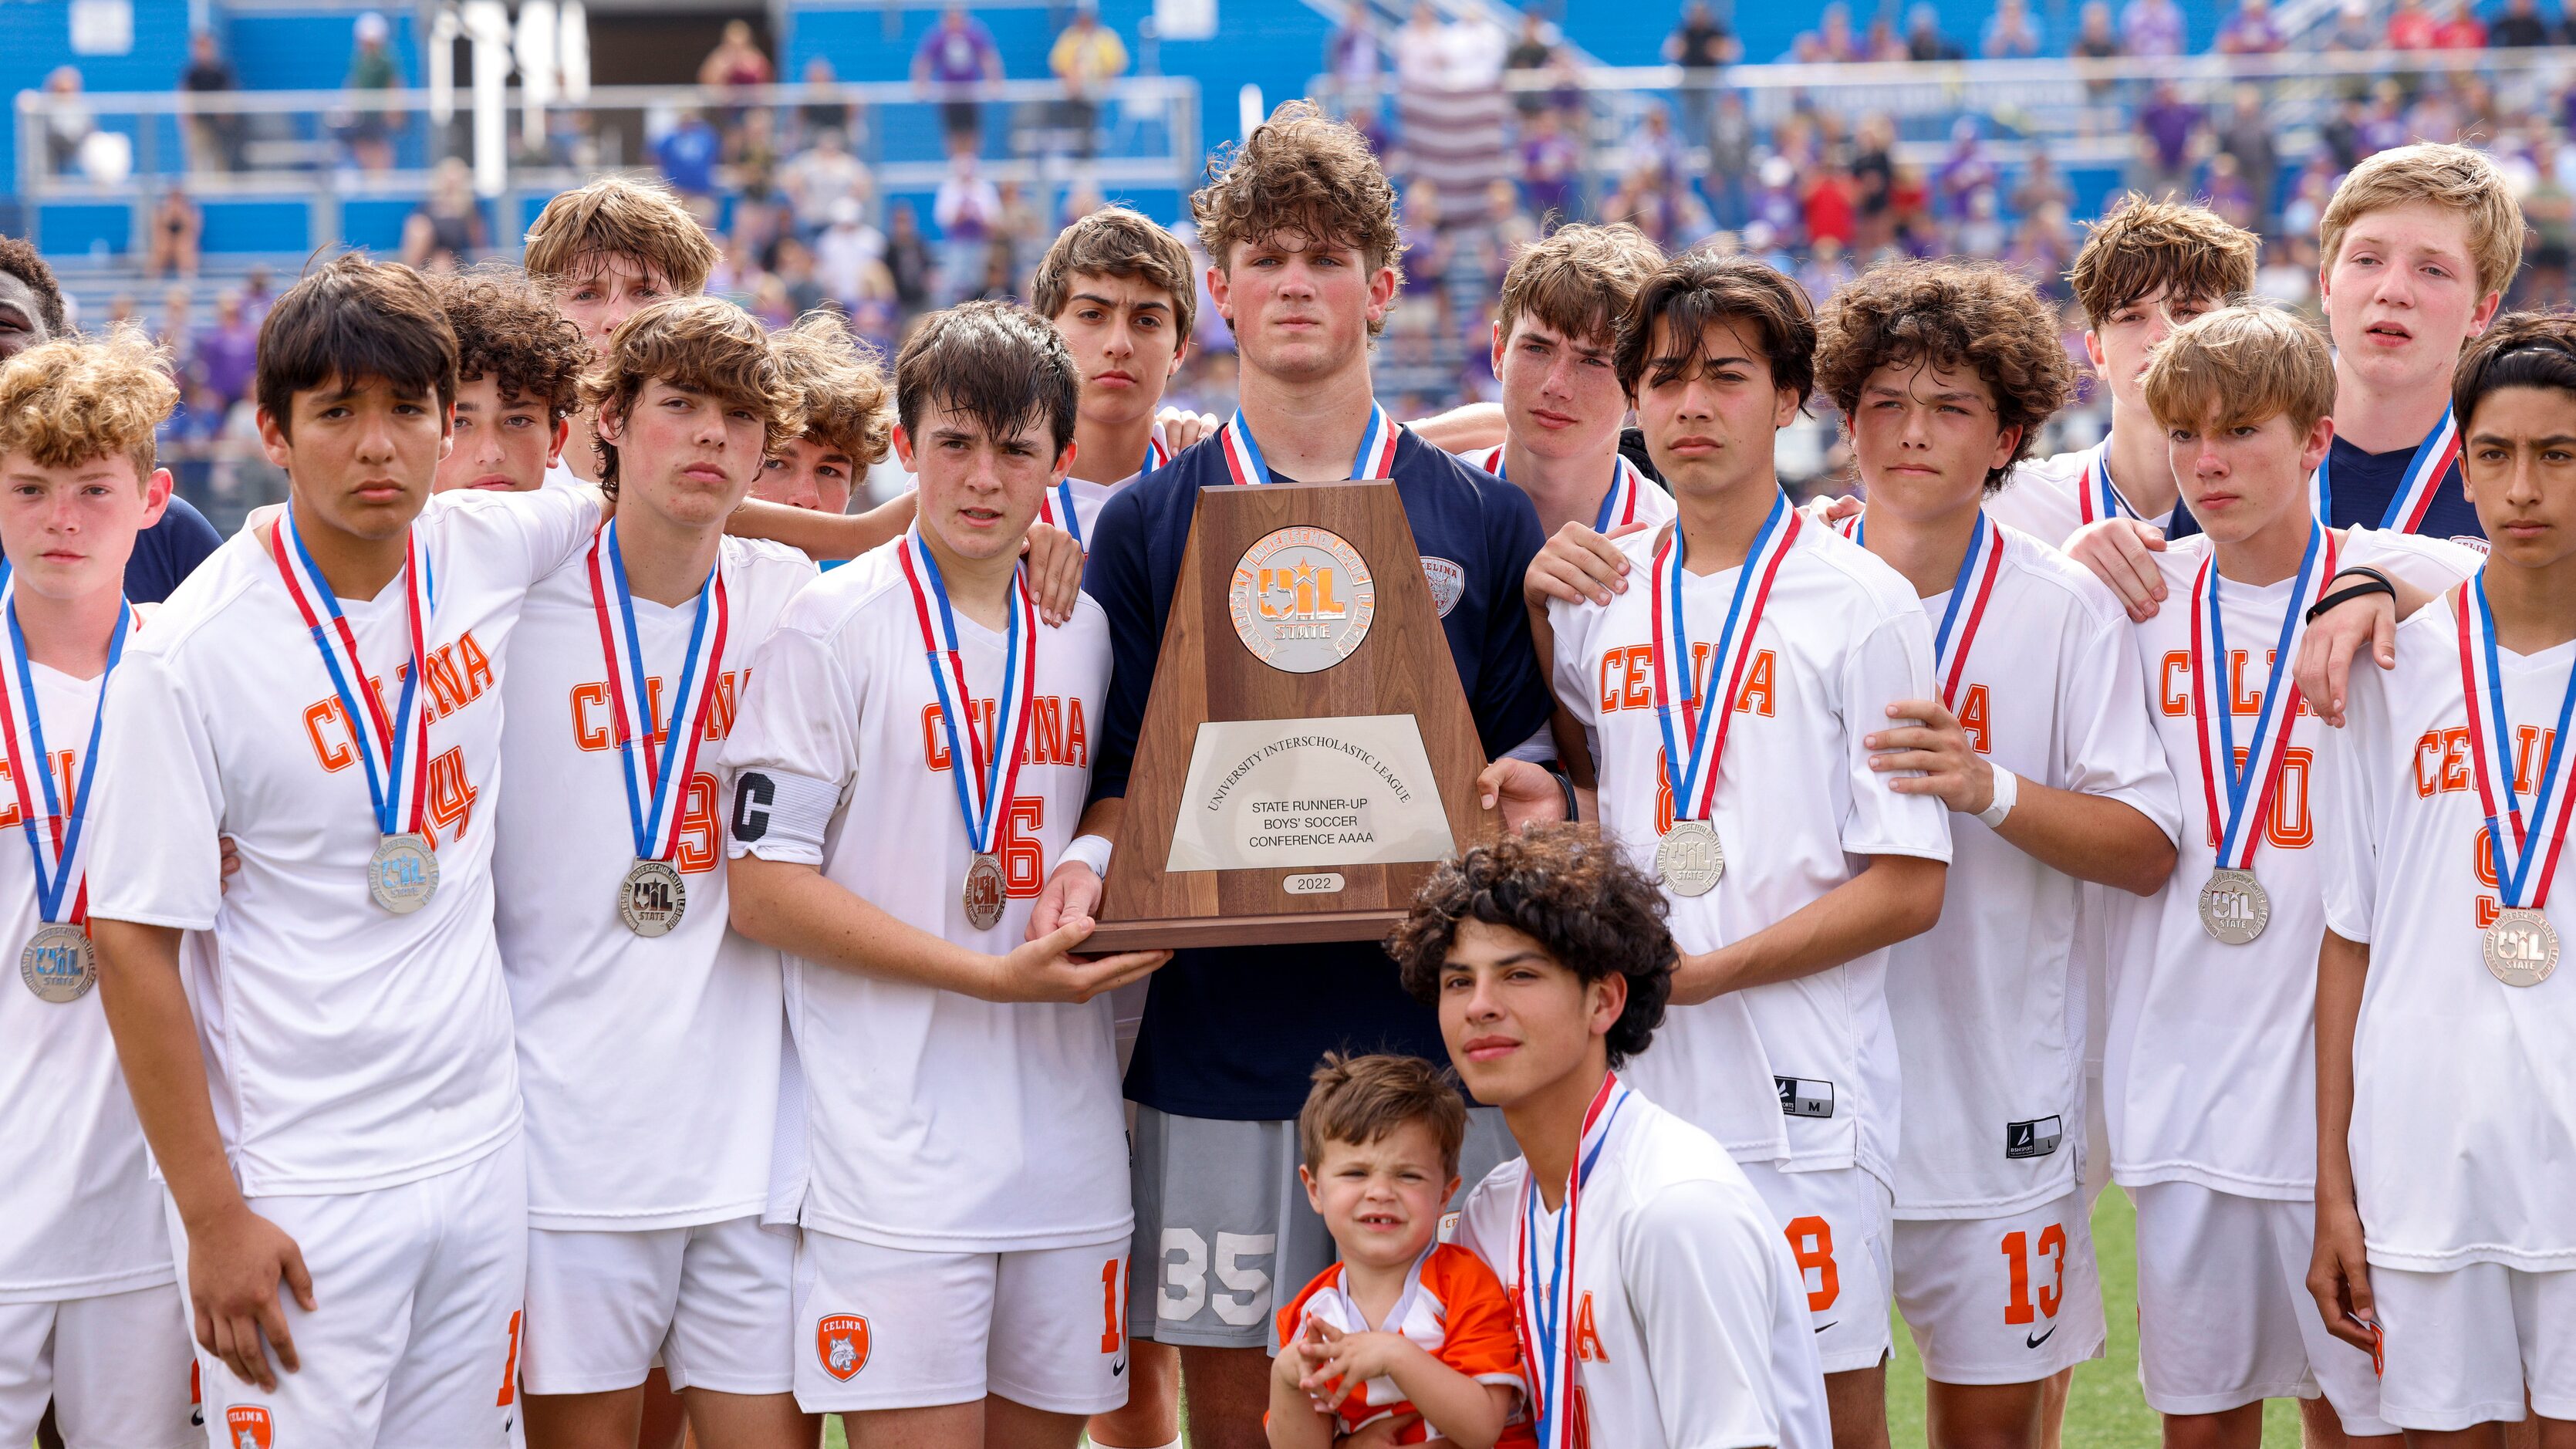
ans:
(1301, 599)
(247, 1426)
(841, 1342)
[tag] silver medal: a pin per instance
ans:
(60, 965)
(984, 890)
(2234, 907)
(2521, 948)
(1689, 859)
(652, 899)
(403, 873)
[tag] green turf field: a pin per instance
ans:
(2105, 1410)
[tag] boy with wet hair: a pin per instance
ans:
(519, 364)
(90, 1313)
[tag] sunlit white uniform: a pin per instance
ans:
(649, 1066)
(967, 1177)
(1796, 1079)
(1988, 1005)
(1690, 1325)
(360, 1062)
(2463, 1145)
(2210, 1078)
(91, 1316)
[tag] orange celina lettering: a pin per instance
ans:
(1975, 718)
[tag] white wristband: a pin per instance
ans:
(1091, 850)
(2007, 789)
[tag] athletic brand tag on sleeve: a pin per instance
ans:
(2036, 1138)
(1805, 1097)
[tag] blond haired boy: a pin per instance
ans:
(606, 251)
(90, 1312)
(849, 416)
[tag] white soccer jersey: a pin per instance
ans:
(1690, 1324)
(2463, 1144)
(937, 1122)
(1088, 498)
(1799, 1073)
(1989, 1004)
(348, 1048)
(2210, 1071)
(649, 1066)
(79, 1214)
(2044, 497)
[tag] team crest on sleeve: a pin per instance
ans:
(1448, 583)
(841, 1342)
(247, 1426)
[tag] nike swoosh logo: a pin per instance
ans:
(1116, 1369)
(2030, 1342)
(1821, 1327)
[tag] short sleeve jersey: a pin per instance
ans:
(1452, 1308)
(649, 1066)
(1801, 1073)
(1989, 1004)
(2044, 497)
(2209, 1075)
(938, 1122)
(79, 1214)
(2463, 1150)
(1232, 1033)
(1690, 1321)
(348, 1049)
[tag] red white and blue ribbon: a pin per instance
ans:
(2095, 498)
(59, 845)
(1543, 1310)
(985, 771)
(2432, 463)
(1376, 457)
(1971, 590)
(657, 795)
(1618, 506)
(1056, 505)
(394, 751)
(2236, 810)
(2490, 744)
(1702, 724)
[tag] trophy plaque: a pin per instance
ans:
(1307, 754)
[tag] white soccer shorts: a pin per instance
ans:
(2460, 1347)
(1839, 1222)
(2224, 1313)
(2003, 1300)
(414, 1339)
(891, 1328)
(114, 1366)
(712, 1303)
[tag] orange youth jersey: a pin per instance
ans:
(1452, 1307)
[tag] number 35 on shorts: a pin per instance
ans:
(1197, 1276)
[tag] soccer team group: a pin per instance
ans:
(508, 931)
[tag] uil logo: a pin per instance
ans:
(1301, 599)
(248, 1427)
(841, 1341)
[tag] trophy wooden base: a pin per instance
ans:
(1191, 932)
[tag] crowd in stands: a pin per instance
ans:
(1494, 138)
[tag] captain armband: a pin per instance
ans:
(782, 817)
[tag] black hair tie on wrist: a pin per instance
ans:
(2372, 582)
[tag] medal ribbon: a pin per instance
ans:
(1977, 572)
(983, 782)
(400, 789)
(655, 805)
(2248, 793)
(2424, 473)
(59, 849)
(1618, 506)
(2490, 744)
(1543, 1309)
(1056, 504)
(1376, 457)
(2095, 498)
(1693, 778)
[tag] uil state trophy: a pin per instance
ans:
(1307, 754)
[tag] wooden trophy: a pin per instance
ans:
(1307, 753)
